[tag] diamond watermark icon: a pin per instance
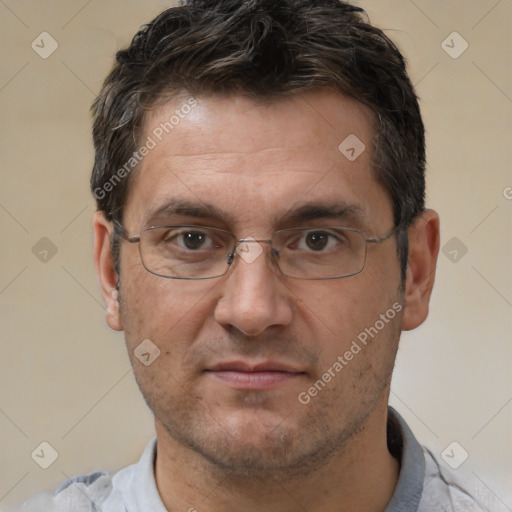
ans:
(249, 250)
(454, 455)
(44, 455)
(352, 147)
(44, 250)
(454, 250)
(44, 45)
(454, 45)
(146, 352)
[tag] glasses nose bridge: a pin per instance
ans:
(254, 240)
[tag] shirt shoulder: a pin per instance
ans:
(425, 484)
(444, 491)
(131, 489)
(80, 493)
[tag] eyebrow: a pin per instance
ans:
(333, 210)
(186, 209)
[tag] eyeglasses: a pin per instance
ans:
(199, 252)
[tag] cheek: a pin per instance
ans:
(347, 320)
(143, 304)
(168, 312)
(342, 308)
(357, 370)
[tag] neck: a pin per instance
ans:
(360, 476)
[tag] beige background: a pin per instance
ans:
(65, 378)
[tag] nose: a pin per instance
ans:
(253, 295)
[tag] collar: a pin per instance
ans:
(404, 447)
(142, 493)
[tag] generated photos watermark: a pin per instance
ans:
(364, 337)
(157, 135)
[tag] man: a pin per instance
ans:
(262, 240)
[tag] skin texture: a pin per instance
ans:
(224, 448)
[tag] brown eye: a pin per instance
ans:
(317, 240)
(193, 240)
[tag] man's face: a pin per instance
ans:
(248, 168)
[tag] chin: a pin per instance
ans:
(257, 444)
(257, 458)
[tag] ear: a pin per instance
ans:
(105, 268)
(421, 268)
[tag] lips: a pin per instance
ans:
(243, 366)
(254, 376)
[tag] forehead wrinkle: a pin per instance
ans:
(209, 155)
(274, 160)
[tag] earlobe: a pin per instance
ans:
(105, 268)
(421, 268)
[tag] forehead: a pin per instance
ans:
(250, 158)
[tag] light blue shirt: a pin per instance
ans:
(422, 485)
